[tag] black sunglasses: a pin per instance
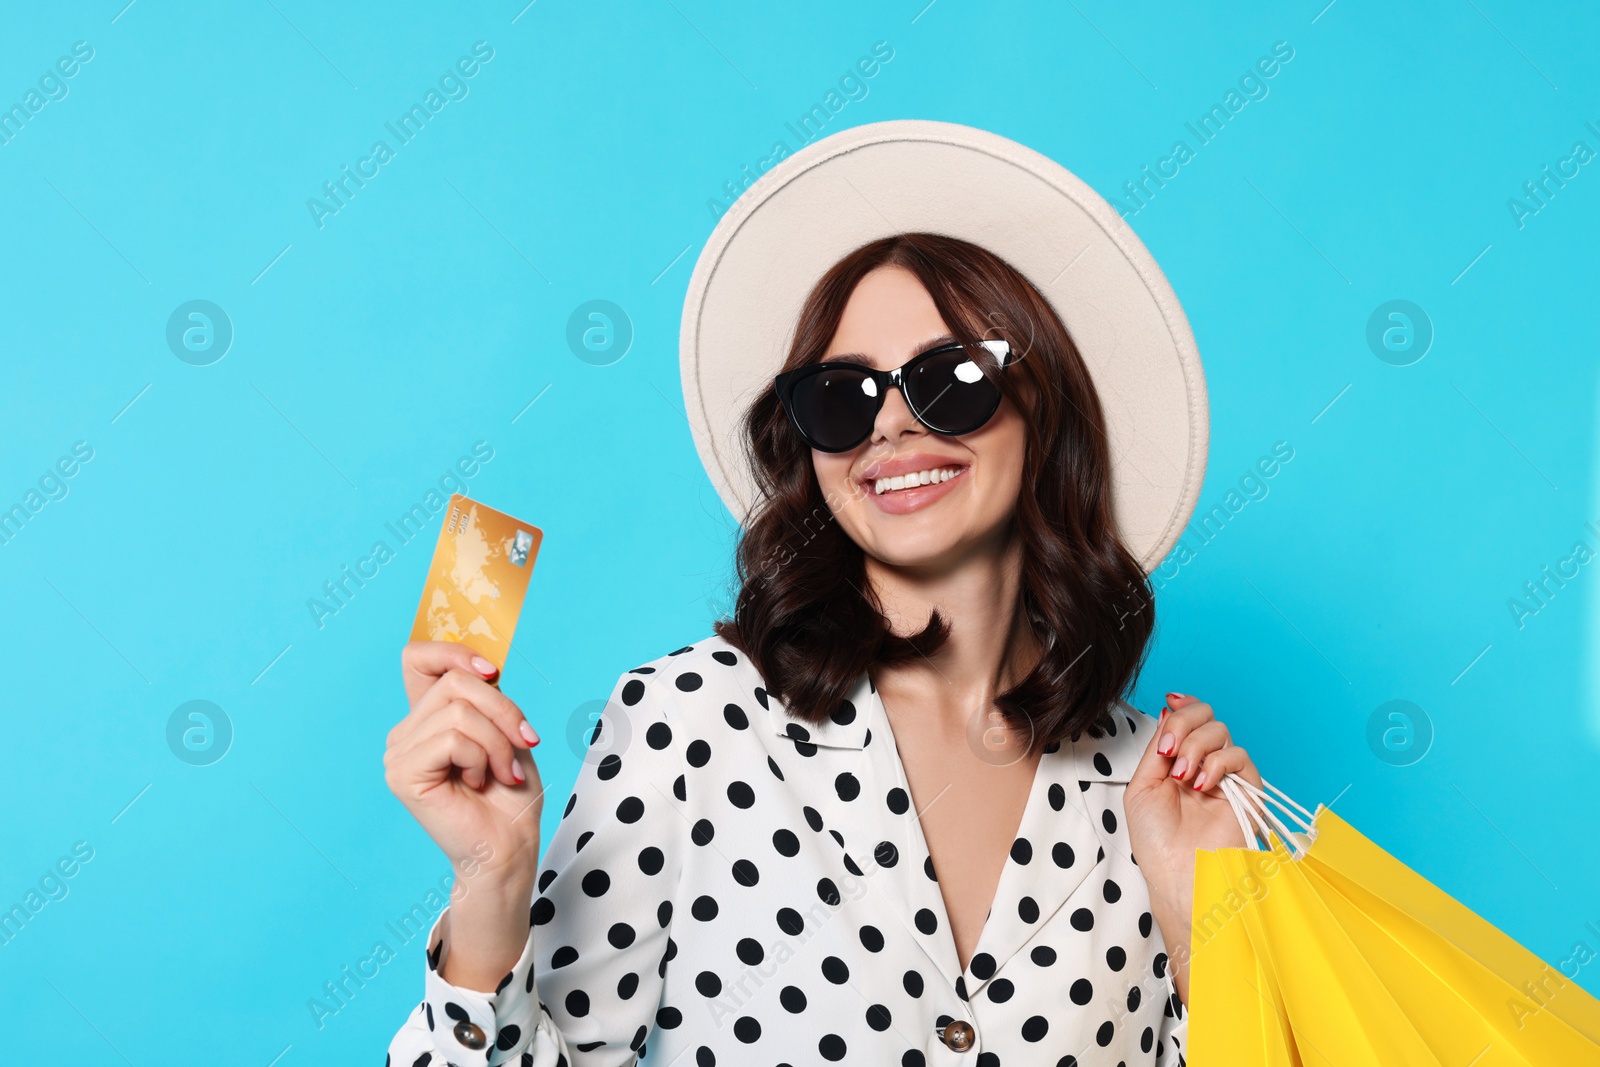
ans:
(834, 404)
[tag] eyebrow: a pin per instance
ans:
(857, 357)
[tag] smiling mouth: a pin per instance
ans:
(915, 479)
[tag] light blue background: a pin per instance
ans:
(432, 309)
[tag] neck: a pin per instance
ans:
(991, 644)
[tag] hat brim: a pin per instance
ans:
(836, 194)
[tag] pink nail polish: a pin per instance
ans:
(1180, 766)
(1166, 745)
(483, 666)
(1200, 780)
(516, 771)
(527, 733)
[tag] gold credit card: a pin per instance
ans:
(478, 579)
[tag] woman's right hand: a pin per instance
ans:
(457, 763)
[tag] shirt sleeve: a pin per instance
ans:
(1174, 1025)
(584, 991)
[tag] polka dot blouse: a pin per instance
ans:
(728, 885)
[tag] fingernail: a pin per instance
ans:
(527, 733)
(1175, 696)
(1179, 766)
(1166, 745)
(483, 666)
(1200, 780)
(516, 771)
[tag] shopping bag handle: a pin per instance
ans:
(1252, 806)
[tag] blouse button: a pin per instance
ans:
(958, 1035)
(469, 1034)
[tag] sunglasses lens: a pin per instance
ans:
(835, 407)
(950, 393)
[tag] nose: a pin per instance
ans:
(894, 421)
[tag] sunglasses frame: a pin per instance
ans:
(786, 382)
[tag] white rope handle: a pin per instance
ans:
(1251, 802)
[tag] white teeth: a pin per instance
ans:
(927, 477)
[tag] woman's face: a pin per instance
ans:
(889, 318)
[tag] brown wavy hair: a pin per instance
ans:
(804, 614)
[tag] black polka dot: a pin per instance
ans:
(847, 785)
(688, 681)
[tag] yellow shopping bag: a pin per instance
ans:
(1324, 949)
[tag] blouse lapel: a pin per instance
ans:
(1057, 843)
(881, 835)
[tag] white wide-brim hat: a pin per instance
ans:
(838, 193)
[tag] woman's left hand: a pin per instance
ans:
(1174, 807)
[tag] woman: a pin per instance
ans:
(889, 812)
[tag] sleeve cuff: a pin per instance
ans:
(475, 1029)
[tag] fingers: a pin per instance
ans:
(1199, 743)
(457, 684)
(466, 719)
(424, 662)
(1185, 715)
(431, 759)
(1216, 765)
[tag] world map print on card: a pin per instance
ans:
(478, 579)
